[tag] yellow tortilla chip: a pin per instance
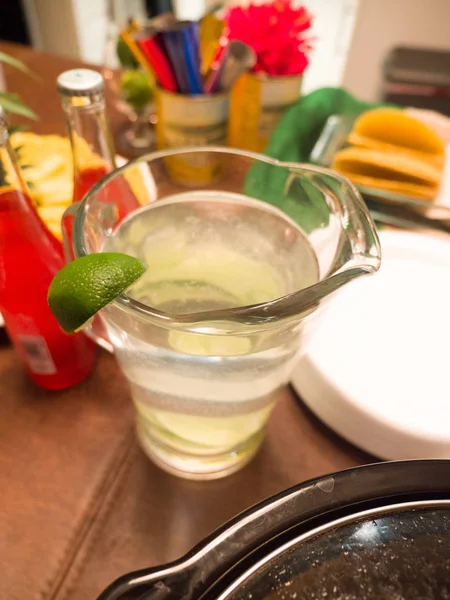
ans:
(397, 167)
(361, 141)
(423, 192)
(394, 128)
(391, 172)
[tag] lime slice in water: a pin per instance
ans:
(88, 284)
(207, 433)
(209, 345)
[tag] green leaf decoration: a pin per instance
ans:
(17, 64)
(13, 104)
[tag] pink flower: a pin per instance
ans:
(276, 32)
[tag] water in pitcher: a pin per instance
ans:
(204, 395)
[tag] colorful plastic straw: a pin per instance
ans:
(187, 57)
(178, 41)
(151, 47)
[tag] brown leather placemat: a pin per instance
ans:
(81, 504)
(151, 517)
(59, 453)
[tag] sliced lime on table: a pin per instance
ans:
(125, 55)
(136, 88)
(88, 284)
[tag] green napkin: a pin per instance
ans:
(295, 136)
(293, 141)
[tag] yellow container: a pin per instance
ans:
(200, 120)
(257, 105)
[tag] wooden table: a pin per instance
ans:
(79, 502)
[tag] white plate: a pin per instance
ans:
(377, 370)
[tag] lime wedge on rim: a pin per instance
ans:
(88, 284)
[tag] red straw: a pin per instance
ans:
(159, 63)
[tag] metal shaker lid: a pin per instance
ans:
(80, 82)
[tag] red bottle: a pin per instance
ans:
(29, 258)
(83, 102)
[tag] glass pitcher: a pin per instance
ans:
(242, 252)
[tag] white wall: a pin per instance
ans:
(189, 9)
(353, 36)
(91, 24)
(382, 24)
(75, 28)
(52, 26)
(332, 28)
(78, 28)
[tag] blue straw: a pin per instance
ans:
(182, 46)
(175, 50)
(192, 47)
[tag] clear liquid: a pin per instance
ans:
(203, 399)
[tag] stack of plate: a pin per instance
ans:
(377, 370)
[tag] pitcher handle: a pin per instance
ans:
(96, 330)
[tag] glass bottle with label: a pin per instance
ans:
(83, 102)
(30, 256)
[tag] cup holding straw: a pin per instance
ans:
(192, 107)
(192, 120)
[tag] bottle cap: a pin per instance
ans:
(80, 82)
